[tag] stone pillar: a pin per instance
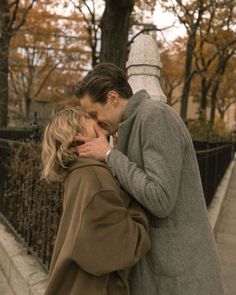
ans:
(144, 65)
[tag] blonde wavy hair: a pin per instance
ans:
(58, 149)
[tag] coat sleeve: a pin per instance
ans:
(111, 236)
(156, 185)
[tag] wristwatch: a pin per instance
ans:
(107, 154)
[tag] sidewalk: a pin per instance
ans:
(5, 288)
(226, 237)
(18, 268)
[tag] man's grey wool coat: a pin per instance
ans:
(156, 163)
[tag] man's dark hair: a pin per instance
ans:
(102, 79)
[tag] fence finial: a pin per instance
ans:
(144, 67)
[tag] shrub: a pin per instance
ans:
(203, 131)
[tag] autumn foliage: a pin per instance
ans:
(47, 46)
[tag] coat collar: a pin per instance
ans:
(130, 113)
(134, 103)
(83, 162)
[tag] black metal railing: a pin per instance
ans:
(32, 208)
(13, 134)
(213, 160)
(33, 131)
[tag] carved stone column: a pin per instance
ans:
(144, 67)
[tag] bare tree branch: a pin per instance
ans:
(81, 11)
(45, 80)
(23, 19)
(153, 28)
(13, 15)
(87, 6)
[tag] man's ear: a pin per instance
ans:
(113, 98)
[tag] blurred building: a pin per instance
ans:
(193, 107)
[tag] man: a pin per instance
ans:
(156, 163)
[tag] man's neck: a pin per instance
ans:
(123, 105)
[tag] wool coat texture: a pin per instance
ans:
(156, 163)
(102, 232)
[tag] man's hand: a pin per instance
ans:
(95, 148)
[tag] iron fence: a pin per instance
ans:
(32, 208)
(13, 134)
(33, 131)
(213, 160)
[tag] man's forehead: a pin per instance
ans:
(87, 104)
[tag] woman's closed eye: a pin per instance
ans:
(93, 115)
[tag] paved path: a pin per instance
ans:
(5, 288)
(226, 237)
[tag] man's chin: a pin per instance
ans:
(112, 131)
(108, 130)
(105, 132)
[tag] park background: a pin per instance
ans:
(47, 46)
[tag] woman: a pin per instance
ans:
(102, 230)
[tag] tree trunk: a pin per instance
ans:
(8, 17)
(213, 102)
(26, 105)
(4, 53)
(189, 73)
(222, 114)
(115, 25)
(223, 60)
(203, 102)
(187, 77)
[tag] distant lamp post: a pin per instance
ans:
(35, 134)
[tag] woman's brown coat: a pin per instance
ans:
(102, 232)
